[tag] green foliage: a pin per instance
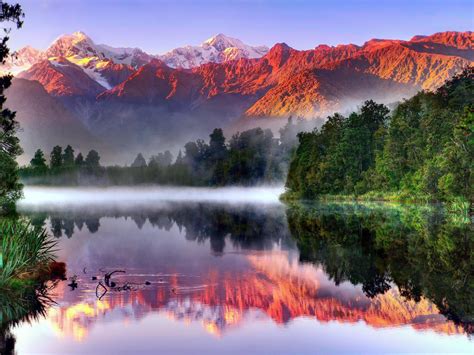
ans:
(56, 157)
(25, 251)
(92, 159)
(38, 162)
(79, 161)
(68, 157)
(10, 188)
(334, 159)
(424, 151)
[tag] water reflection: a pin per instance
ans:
(425, 252)
(271, 286)
(25, 304)
(247, 226)
(223, 268)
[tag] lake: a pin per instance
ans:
(236, 271)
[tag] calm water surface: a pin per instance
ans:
(239, 272)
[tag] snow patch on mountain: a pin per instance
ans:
(97, 77)
(57, 64)
(217, 49)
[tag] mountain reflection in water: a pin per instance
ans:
(271, 285)
(225, 267)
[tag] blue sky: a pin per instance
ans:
(160, 25)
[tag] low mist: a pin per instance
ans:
(34, 196)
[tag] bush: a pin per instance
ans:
(25, 251)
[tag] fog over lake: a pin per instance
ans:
(34, 195)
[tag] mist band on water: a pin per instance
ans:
(34, 195)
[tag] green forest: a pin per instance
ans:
(250, 157)
(422, 151)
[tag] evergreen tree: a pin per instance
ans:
(56, 157)
(139, 161)
(10, 187)
(179, 158)
(79, 161)
(217, 147)
(68, 157)
(92, 159)
(216, 157)
(39, 162)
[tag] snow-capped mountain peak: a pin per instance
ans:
(217, 49)
(80, 35)
(22, 60)
(67, 45)
(221, 42)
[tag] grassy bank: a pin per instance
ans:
(455, 205)
(398, 196)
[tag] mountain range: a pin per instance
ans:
(132, 100)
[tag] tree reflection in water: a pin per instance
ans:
(424, 252)
(248, 226)
(26, 303)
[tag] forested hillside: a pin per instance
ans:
(423, 150)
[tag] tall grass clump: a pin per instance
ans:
(25, 252)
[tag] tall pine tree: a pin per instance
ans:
(68, 157)
(56, 158)
(39, 162)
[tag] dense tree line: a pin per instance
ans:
(250, 157)
(423, 150)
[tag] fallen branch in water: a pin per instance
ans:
(107, 284)
(97, 289)
(109, 275)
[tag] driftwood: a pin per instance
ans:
(109, 275)
(104, 290)
(106, 284)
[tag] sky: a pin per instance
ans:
(157, 26)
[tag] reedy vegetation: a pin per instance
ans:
(26, 252)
